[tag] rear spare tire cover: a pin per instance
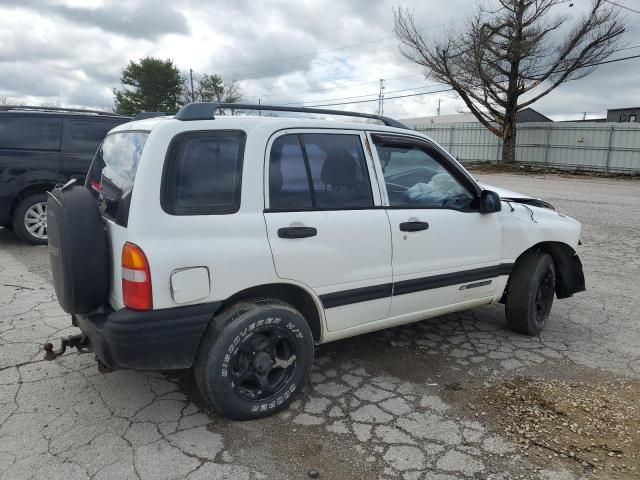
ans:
(78, 249)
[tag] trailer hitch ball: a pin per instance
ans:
(81, 342)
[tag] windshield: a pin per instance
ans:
(113, 172)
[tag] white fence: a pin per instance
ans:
(607, 147)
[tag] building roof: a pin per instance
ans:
(465, 117)
(622, 108)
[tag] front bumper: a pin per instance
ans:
(146, 340)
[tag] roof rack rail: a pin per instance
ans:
(144, 115)
(34, 108)
(206, 111)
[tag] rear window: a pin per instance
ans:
(113, 172)
(30, 132)
(203, 173)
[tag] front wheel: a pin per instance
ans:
(254, 359)
(530, 293)
(30, 219)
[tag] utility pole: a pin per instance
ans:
(439, 100)
(584, 115)
(259, 102)
(381, 98)
(193, 96)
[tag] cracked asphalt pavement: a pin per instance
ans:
(393, 404)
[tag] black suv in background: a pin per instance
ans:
(39, 148)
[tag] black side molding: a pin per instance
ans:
(356, 295)
(448, 279)
(374, 292)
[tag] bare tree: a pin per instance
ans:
(507, 58)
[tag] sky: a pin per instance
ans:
(72, 52)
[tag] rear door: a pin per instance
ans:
(445, 252)
(325, 225)
(110, 179)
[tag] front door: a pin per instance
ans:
(325, 225)
(445, 252)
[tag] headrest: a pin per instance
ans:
(339, 169)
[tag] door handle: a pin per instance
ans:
(297, 232)
(413, 226)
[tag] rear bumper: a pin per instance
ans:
(150, 340)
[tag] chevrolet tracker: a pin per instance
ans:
(232, 244)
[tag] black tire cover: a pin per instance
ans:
(78, 249)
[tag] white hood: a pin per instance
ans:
(504, 193)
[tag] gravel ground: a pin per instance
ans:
(413, 402)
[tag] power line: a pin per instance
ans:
(622, 6)
(286, 92)
(610, 61)
(363, 96)
(386, 98)
(271, 93)
(450, 89)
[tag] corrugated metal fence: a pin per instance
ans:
(608, 147)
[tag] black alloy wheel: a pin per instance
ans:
(263, 363)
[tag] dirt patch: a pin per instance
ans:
(523, 168)
(593, 425)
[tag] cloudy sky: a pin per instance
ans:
(71, 52)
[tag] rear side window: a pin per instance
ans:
(318, 172)
(203, 173)
(30, 132)
(113, 172)
(289, 184)
(86, 135)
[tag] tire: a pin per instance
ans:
(79, 252)
(30, 219)
(530, 293)
(236, 368)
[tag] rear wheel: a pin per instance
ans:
(530, 293)
(30, 219)
(254, 359)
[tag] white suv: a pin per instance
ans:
(232, 244)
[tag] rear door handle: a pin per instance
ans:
(413, 226)
(297, 232)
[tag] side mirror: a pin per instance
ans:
(490, 202)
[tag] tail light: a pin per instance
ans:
(136, 279)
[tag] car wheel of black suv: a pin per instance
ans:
(30, 219)
(254, 358)
(530, 293)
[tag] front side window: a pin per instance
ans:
(204, 173)
(414, 177)
(318, 171)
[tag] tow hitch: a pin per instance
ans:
(81, 342)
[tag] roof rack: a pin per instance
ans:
(206, 111)
(145, 115)
(32, 108)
